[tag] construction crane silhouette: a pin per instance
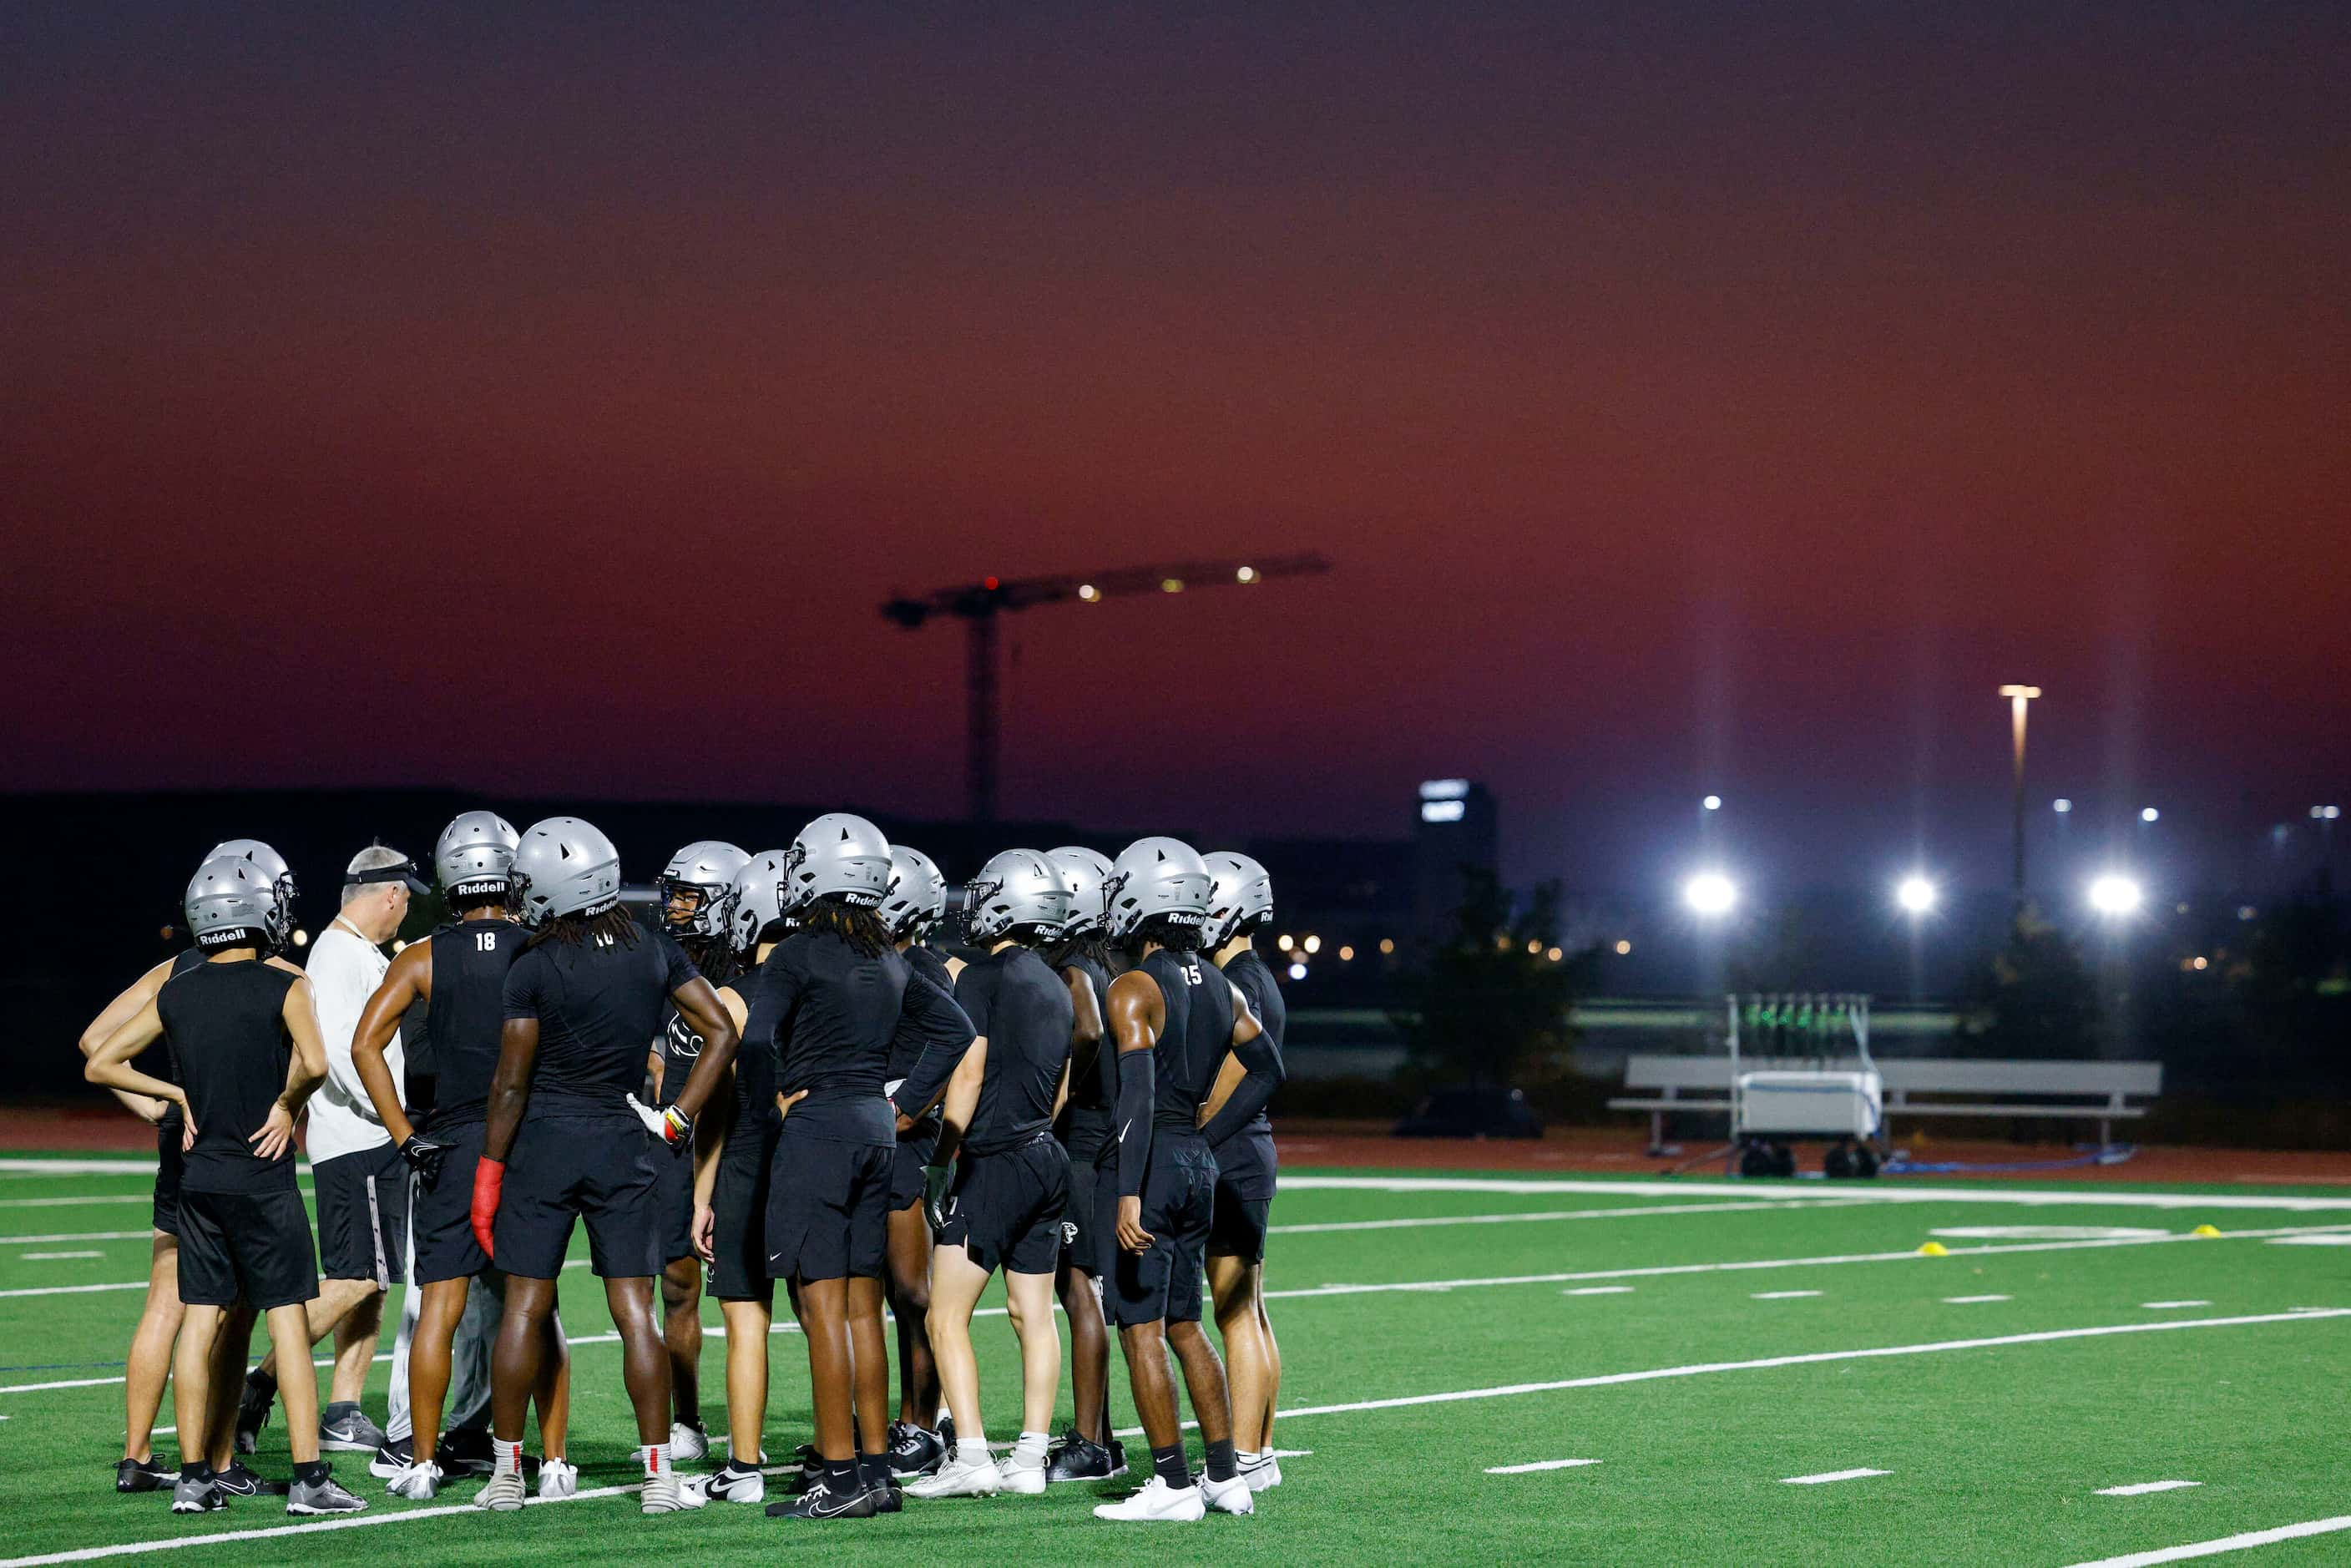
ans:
(977, 605)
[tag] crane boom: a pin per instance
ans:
(978, 604)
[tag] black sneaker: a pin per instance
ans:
(464, 1451)
(238, 1480)
(142, 1475)
(946, 1432)
(821, 1502)
(253, 1411)
(914, 1451)
(1081, 1458)
(887, 1500)
(395, 1455)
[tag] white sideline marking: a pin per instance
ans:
(2170, 1306)
(1538, 1465)
(1828, 1476)
(1781, 1295)
(2196, 1548)
(77, 1167)
(2085, 1197)
(1628, 1212)
(2040, 1232)
(2312, 1241)
(1814, 1358)
(148, 1197)
(1278, 1453)
(1599, 1290)
(77, 1236)
(2143, 1488)
(75, 1290)
(53, 1257)
(1972, 1300)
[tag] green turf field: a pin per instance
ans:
(1700, 1343)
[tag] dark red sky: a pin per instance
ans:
(1694, 397)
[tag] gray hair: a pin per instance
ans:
(375, 857)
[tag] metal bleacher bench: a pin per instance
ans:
(2072, 1091)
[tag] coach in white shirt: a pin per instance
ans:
(361, 1182)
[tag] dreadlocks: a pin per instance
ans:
(614, 925)
(854, 924)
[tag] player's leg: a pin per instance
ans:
(1089, 1351)
(680, 1293)
(1030, 1300)
(191, 1376)
(289, 1335)
(1191, 1221)
(748, 1324)
(225, 1435)
(150, 1367)
(1232, 1285)
(871, 1370)
(955, 1285)
(430, 1353)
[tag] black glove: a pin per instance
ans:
(423, 1156)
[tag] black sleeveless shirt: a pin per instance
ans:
(226, 1024)
(470, 959)
(1199, 1004)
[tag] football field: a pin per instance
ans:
(1477, 1369)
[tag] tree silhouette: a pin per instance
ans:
(1490, 1005)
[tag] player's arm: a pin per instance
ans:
(937, 1022)
(1061, 1092)
(1250, 1073)
(118, 1012)
(409, 978)
(962, 1100)
(1138, 1013)
(110, 1063)
(698, 1005)
(305, 1071)
(718, 1118)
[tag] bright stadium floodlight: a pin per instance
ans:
(1710, 893)
(1915, 893)
(2149, 814)
(1712, 803)
(2115, 896)
(2061, 805)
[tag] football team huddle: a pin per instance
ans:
(794, 1073)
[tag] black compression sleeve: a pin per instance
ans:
(1137, 1086)
(930, 1015)
(1250, 1094)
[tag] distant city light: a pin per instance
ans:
(1534, 947)
(1444, 789)
(2115, 896)
(1710, 893)
(1314, 944)
(1915, 894)
(1247, 574)
(1553, 955)
(2199, 961)
(1283, 942)
(1171, 585)
(1298, 971)
(1443, 810)
(1623, 947)
(1712, 802)
(1346, 955)
(1089, 592)
(1387, 944)
(398, 946)
(301, 938)
(2061, 805)
(2149, 814)
(2246, 911)
(2326, 813)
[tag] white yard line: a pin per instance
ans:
(1974, 1301)
(1629, 1211)
(1538, 1465)
(77, 1236)
(2172, 1306)
(2142, 1487)
(2250, 1537)
(1781, 1295)
(75, 1290)
(55, 1256)
(149, 1197)
(77, 1167)
(1814, 1358)
(1828, 1476)
(1598, 1290)
(1856, 1192)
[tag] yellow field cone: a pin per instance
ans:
(2206, 1231)
(1934, 1249)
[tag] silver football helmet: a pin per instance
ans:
(1240, 897)
(1086, 873)
(565, 866)
(275, 871)
(1157, 876)
(917, 895)
(1015, 888)
(758, 899)
(707, 868)
(474, 860)
(232, 903)
(840, 856)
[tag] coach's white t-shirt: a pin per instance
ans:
(345, 968)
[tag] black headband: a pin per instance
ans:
(405, 870)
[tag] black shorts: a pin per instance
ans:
(362, 1202)
(674, 1190)
(253, 1247)
(441, 1214)
(1005, 1209)
(1245, 1181)
(828, 1207)
(1179, 1191)
(915, 1152)
(168, 1163)
(590, 1167)
(1086, 1234)
(738, 1217)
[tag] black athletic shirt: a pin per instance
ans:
(172, 1122)
(1094, 1077)
(929, 963)
(1199, 1031)
(470, 960)
(226, 1024)
(1014, 1000)
(597, 1003)
(680, 1046)
(1245, 1112)
(837, 1021)
(755, 1072)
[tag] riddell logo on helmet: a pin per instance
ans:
(227, 936)
(491, 887)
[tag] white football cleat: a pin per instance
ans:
(557, 1478)
(1233, 1496)
(1263, 1475)
(730, 1484)
(664, 1493)
(1157, 1502)
(417, 1483)
(502, 1493)
(959, 1477)
(1018, 1477)
(688, 1445)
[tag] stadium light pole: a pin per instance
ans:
(2018, 697)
